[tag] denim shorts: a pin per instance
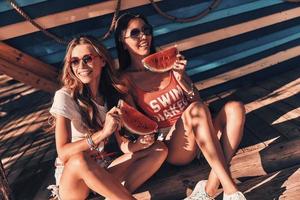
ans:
(59, 167)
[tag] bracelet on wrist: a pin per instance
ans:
(90, 142)
(191, 94)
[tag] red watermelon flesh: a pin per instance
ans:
(135, 121)
(161, 61)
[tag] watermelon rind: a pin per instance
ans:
(155, 70)
(161, 70)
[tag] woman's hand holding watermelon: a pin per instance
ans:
(112, 122)
(179, 67)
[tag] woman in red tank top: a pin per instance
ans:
(171, 99)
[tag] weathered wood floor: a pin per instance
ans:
(266, 165)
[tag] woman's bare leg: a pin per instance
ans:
(81, 174)
(135, 168)
(196, 124)
(181, 143)
(230, 122)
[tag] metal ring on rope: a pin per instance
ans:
(212, 6)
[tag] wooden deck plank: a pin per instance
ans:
(264, 132)
(15, 107)
(42, 192)
(25, 61)
(251, 140)
(216, 102)
(27, 76)
(15, 110)
(285, 80)
(283, 184)
(42, 112)
(279, 95)
(50, 154)
(31, 159)
(251, 164)
(26, 190)
(14, 96)
(290, 112)
(261, 64)
(162, 26)
(36, 145)
(24, 149)
(30, 124)
(262, 109)
(66, 17)
(8, 110)
(263, 161)
(13, 89)
(235, 30)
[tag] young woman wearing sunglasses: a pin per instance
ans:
(83, 126)
(171, 99)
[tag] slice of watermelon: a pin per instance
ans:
(161, 61)
(135, 121)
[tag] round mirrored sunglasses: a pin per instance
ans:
(86, 59)
(137, 33)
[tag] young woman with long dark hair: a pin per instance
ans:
(173, 102)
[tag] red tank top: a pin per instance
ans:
(164, 106)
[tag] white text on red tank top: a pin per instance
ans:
(169, 104)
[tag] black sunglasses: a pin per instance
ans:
(136, 33)
(86, 59)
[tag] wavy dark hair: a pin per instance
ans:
(121, 26)
(124, 57)
(80, 92)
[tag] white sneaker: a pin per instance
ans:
(199, 192)
(235, 196)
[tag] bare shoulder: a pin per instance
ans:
(125, 79)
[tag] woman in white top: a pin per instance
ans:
(83, 125)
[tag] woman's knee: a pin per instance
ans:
(233, 108)
(196, 112)
(181, 158)
(160, 149)
(77, 161)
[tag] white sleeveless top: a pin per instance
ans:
(64, 105)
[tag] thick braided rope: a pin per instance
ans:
(14, 4)
(203, 13)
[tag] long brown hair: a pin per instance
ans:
(80, 92)
(123, 55)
